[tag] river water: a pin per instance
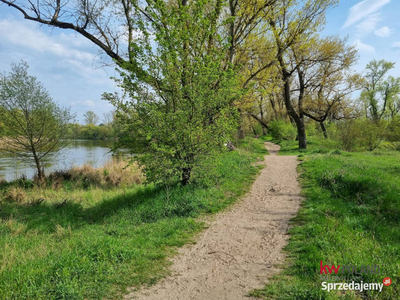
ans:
(78, 153)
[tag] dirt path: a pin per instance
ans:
(242, 246)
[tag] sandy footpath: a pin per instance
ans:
(240, 249)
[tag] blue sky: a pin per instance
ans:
(373, 26)
(69, 65)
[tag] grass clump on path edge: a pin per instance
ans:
(350, 216)
(106, 240)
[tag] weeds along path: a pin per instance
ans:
(242, 246)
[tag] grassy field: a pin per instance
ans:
(350, 216)
(102, 240)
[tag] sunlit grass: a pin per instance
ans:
(92, 242)
(350, 216)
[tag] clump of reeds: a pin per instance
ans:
(113, 174)
(15, 194)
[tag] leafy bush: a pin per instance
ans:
(372, 133)
(348, 133)
(281, 130)
(360, 134)
(393, 130)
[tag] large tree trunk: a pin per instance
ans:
(301, 134)
(324, 129)
(299, 120)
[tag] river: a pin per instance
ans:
(78, 153)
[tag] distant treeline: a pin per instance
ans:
(87, 132)
(95, 132)
(103, 131)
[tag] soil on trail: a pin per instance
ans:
(242, 246)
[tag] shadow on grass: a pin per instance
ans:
(144, 204)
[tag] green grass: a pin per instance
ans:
(350, 216)
(314, 145)
(104, 240)
(255, 147)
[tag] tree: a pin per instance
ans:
(36, 125)
(293, 25)
(175, 126)
(380, 93)
(324, 79)
(91, 118)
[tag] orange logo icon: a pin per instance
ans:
(387, 281)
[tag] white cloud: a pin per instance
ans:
(27, 37)
(384, 31)
(369, 24)
(396, 45)
(364, 48)
(362, 10)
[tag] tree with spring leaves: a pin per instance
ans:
(36, 126)
(323, 80)
(293, 26)
(91, 118)
(380, 93)
(176, 125)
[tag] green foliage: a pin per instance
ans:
(282, 130)
(188, 114)
(91, 118)
(393, 130)
(381, 92)
(104, 240)
(36, 126)
(361, 134)
(349, 217)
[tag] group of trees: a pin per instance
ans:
(194, 72)
(109, 128)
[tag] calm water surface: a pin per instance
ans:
(78, 153)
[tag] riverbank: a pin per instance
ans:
(92, 242)
(78, 153)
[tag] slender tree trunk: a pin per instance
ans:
(40, 173)
(263, 124)
(241, 133)
(186, 172)
(264, 129)
(324, 129)
(272, 100)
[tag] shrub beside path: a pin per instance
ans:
(242, 246)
